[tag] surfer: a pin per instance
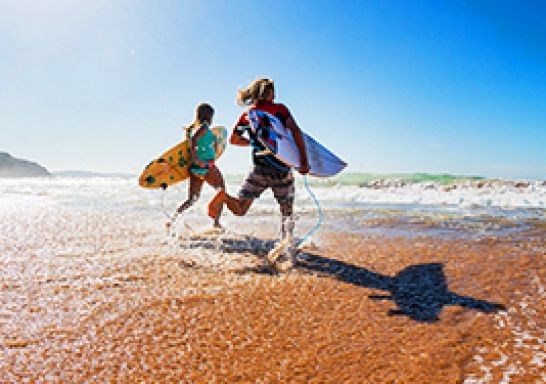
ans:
(267, 171)
(203, 147)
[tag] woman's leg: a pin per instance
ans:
(215, 179)
(193, 195)
(196, 183)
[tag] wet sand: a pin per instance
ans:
(358, 308)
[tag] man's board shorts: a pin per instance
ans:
(261, 178)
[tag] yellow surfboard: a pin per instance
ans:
(173, 166)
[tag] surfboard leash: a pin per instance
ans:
(319, 210)
(317, 205)
(309, 190)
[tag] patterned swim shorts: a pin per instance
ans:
(282, 184)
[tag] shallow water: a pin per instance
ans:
(466, 208)
(53, 219)
(94, 290)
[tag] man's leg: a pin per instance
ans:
(238, 206)
(252, 188)
(287, 220)
(284, 190)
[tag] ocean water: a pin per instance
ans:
(394, 195)
(345, 190)
(440, 204)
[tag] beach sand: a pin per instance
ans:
(358, 308)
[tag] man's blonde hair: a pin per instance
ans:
(257, 91)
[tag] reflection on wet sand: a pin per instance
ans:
(125, 306)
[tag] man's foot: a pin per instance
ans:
(215, 205)
(284, 263)
(292, 253)
(279, 250)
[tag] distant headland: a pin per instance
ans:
(12, 167)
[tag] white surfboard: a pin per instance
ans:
(280, 143)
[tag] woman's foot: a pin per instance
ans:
(217, 226)
(209, 233)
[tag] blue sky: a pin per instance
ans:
(390, 86)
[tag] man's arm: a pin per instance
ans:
(300, 143)
(237, 137)
(240, 128)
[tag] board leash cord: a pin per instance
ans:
(172, 218)
(311, 193)
(300, 243)
(319, 210)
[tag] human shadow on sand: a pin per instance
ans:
(420, 291)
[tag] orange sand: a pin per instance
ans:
(355, 310)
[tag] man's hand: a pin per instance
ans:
(241, 129)
(304, 169)
(237, 139)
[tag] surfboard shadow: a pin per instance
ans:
(420, 291)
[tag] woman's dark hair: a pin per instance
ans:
(203, 114)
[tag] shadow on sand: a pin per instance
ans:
(420, 291)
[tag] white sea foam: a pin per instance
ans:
(123, 192)
(498, 195)
(527, 339)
